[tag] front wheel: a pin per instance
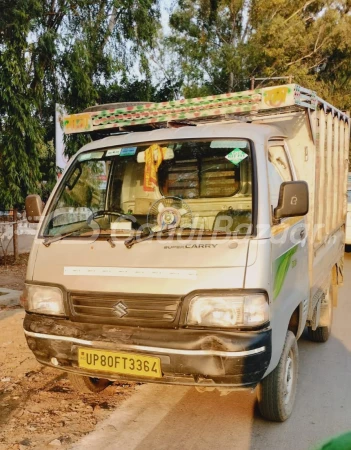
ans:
(276, 392)
(88, 385)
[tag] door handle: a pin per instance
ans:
(302, 233)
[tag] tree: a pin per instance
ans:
(103, 42)
(211, 39)
(60, 51)
(221, 44)
(21, 134)
(78, 53)
(308, 39)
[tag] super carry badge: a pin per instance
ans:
(236, 156)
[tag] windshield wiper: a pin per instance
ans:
(92, 217)
(48, 241)
(136, 239)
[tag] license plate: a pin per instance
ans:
(118, 362)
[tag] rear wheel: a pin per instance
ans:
(276, 392)
(322, 333)
(88, 385)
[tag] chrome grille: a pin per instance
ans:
(124, 309)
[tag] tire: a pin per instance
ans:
(322, 334)
(114, 106)
(88, 385)
(276, 393)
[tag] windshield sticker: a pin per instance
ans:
(228, 144)
(94, 155)
(114, 152)
(236, 156)
(128, 151)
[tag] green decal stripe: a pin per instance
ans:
(281, 268)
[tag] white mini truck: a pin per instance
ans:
(192, 243)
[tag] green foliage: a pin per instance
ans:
(211, 41)
(78, 53)
(48, 169)
(20, 131)
(222, 44)
(138, 90)
(306, 40)
(65, 52)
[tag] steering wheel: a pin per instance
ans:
(106, 212)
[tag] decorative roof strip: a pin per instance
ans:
(195, 109)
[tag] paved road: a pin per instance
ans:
(170, 417)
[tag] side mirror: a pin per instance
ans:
(34, 208)
(293, 200)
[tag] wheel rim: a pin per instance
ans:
(289, 378)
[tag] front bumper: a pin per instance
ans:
(188, 357)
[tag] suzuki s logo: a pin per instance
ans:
(120, 310)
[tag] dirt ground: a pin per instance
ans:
(39, 409)
(13, 275)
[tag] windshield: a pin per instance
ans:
(186, 185)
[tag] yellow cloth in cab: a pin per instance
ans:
(151, 166)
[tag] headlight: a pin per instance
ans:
(228, 311)
(43, 300)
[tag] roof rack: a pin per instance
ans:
(231, 106)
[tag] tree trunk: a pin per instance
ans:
(231, 82)
(233, 41)
(15, 235)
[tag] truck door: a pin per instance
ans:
(290, 283)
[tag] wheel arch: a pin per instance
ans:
(298, 319)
